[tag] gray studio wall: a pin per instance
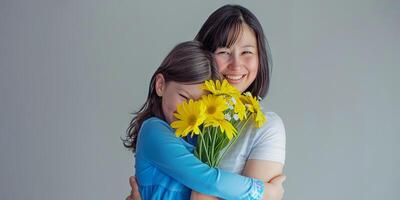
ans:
(72, 71)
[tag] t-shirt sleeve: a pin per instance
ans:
(167, 152)
(270, 140)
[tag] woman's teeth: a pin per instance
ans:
(231, 77)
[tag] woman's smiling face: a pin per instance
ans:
(239, 63)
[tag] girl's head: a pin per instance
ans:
(242, 55)
(178, 78)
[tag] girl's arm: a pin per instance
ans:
(260, 169)
(159, 145)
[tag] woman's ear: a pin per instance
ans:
(160, 85)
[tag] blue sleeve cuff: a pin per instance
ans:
(257, 191)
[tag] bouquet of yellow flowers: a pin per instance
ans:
(217, 118)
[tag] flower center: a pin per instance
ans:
(211, 110)
(192, 120)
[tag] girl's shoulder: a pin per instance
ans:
(154, 125)
(152, 130)
(152, 121)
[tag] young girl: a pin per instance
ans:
(165, 165)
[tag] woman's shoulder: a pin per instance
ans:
(269, 140)
(273, 127)
(273, 120)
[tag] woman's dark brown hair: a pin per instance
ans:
(187, 63)
(222, 29)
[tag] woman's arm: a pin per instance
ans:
(135, 194)
(266, 171)
(267, 153)
(260, 169)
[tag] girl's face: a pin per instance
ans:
(173, 93)
(239, 63)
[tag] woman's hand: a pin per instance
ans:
(135, 194)
(274, 189)
(198, 196)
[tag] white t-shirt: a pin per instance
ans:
(264, 143)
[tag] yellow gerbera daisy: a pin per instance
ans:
(215, 107)
(190, 115)
(253, 105)
(218, 88)
(228, 128)
(239, 108)
(246, 100)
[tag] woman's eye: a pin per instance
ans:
(247, 52)
(222, 52)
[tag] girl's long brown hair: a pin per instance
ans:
(187, 63)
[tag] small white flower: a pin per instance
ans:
(228, 117)
(233, 100)
(236, 117)
(230, 107)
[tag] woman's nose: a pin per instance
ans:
(234, 62)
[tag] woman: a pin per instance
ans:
(165, 165)
(236, 37)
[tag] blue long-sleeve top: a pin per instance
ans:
(167, 169)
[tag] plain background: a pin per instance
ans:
(71, 72)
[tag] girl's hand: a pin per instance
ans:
(135, 194)
(198, 196)
(274, 189)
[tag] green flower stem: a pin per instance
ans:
(213, 147)
(234, 140)
(205, 147)
(200, 149)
